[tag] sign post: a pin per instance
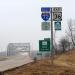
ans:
(51, 38)
(55, 13)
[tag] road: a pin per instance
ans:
(14, 61)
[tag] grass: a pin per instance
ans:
(63, 65)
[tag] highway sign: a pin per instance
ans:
(57, 25)
(45, 9)
(57, 16)
(39, 53)
(44, 45)
(57, 9)
(45, 26)
(45, 16)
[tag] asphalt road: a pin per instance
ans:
(14, 61)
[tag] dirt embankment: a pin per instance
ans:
(63, 65)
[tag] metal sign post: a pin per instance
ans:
(51, 14)
(51, 38)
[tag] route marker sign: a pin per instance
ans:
(45, 13)
(57, 9)
(57, 16)
(45, 16)
(45, 9)
(45, 26)
(57, 25)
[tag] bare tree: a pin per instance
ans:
(64, 44)
(71, 31)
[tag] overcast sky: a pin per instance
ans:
(20, 20)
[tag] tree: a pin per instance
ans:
(64, 44)
(71, 31)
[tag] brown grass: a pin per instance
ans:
(63, 65)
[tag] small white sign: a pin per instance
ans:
(45, 26)
(57, 9)
(44, 43)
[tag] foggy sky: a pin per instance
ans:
(20, 20)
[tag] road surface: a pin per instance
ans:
(14, 61)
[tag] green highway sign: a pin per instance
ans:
(44, 45)
(57, 25)
(45, 26)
